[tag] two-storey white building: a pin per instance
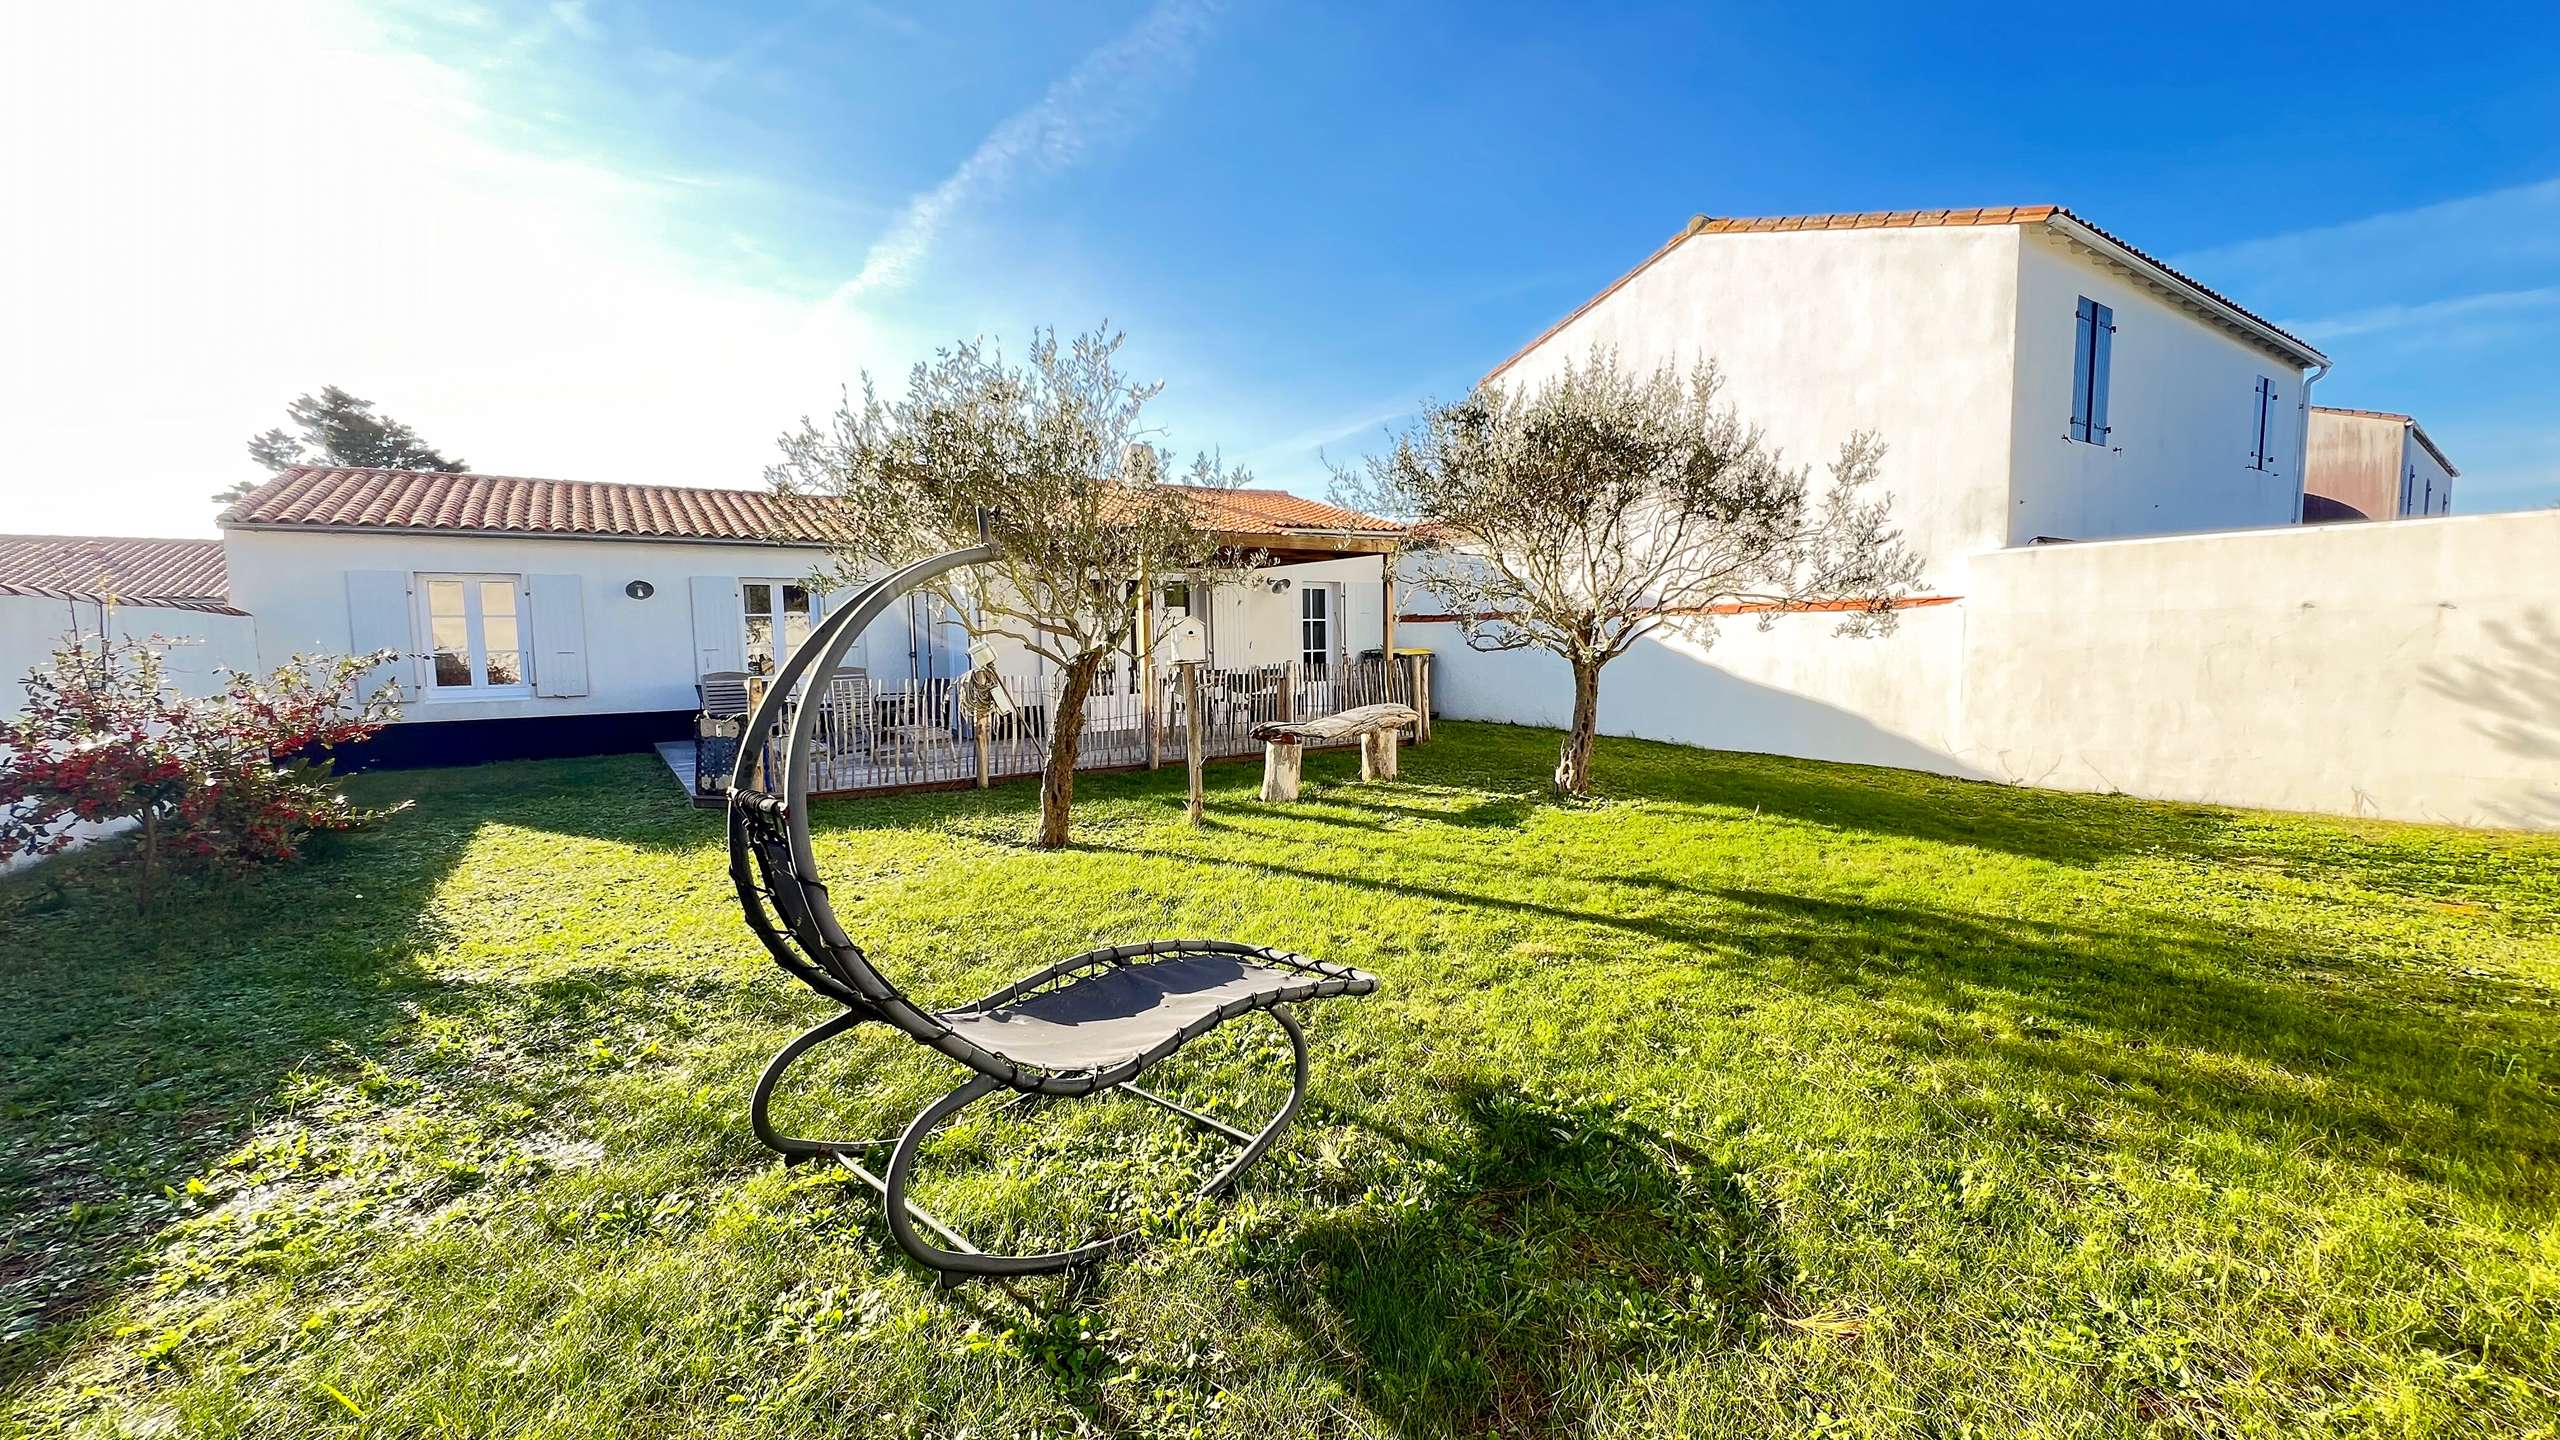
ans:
(2033, 377)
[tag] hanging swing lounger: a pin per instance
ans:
(1090, 1024)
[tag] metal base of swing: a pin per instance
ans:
(958, 1257)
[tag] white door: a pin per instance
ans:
(1319, 642)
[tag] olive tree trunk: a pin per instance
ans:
(1066, 730)
(1573, 763)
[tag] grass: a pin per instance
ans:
(1758, 1098)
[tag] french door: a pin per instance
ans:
(779, 616)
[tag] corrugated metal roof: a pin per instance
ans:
(131, 569)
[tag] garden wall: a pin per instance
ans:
(2408, 670)
(31, 626)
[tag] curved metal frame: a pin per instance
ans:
(773, 865)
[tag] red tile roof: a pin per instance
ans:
(1278, 510)
(320, 497)
(324, 497)
(181, 574)
(1906, 220)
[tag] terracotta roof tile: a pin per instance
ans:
(1891, 220)
(322, 497)
(325, 497)
(1279, 510)
(186, 574)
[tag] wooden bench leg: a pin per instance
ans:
(1378, 754)
(1280, 767)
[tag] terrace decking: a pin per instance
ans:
(917, 736)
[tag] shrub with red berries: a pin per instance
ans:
(232, 779)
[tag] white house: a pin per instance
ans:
(2032, 376)
(549, 617)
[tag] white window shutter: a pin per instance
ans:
(719, 623)
(559, 634)
(378, 619)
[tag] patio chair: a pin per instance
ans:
(723, 692)
(1088, 1026)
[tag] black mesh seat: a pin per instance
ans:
(1088, 1025)
(1122, 1011)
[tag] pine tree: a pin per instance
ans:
(336, 428)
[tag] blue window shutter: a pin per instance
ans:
(2408, 489)
(2102, 336)
(559, 634)
(2083, 349)
(2260, 457)
(378, 619)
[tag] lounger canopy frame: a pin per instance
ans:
(1086, 1026)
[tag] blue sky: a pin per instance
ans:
(634, 241)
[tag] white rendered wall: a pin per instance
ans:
(1795, 689)
(2181, 405)
(199, 643)
(1908, 333)
(1270, 622)
(640, 653)
(2410, 671)
(2430, 476)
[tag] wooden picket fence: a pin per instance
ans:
(916, 735)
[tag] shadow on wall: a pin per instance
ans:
(2514, 702)
(1663, 690)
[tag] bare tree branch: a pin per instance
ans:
(1605, 506)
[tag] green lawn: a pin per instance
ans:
(1758, 1098)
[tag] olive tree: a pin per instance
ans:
(1604, 505)
(1053, 458)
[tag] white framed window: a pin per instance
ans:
(779, 617)
(474, 627)
(1315, 627)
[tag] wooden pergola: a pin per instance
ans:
(1269, 546)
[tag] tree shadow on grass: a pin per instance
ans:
(141, 1049)
(2194, 1020)
(1547, 1247)
(1504, 1265)
(2200, 1023)
(2061, 827)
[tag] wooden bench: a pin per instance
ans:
(1284, 744)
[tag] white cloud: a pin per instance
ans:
(2475, 243)
(215, 208)
(2461, 314)
(1107, 95)
(2438, 310)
